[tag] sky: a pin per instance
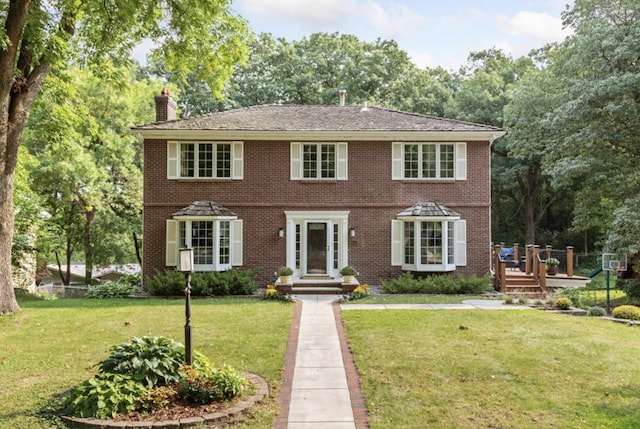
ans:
(433, 32)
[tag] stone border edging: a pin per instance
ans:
(208, 419)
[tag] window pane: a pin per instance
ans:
(202, 242)
(182, 232)
(431, 243)
(328, 161)
(225, 242)
(429, 161)
(223, 160)
(446, 161)
(187, 159)
(205, 160)
(335, 247)
(409, 243)
(298, 241)
(411, 161)
(309, 161)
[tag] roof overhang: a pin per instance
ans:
(245, 135)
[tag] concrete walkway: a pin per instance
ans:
(320, 388)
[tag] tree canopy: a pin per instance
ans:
(204, 37)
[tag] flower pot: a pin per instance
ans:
(286, 279)
(347, 279)
(552, 270)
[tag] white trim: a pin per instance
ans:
(302, 218)
(459, 160)
(327, 136)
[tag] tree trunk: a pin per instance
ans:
(90, 214)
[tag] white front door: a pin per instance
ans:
(317, 242)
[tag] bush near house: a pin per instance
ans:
(437, 284)
(223, 283)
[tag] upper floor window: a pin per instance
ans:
(429, 161)
(317, 161)
(209, 160)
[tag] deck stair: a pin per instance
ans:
(523, 286)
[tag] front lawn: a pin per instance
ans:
(495, 369)
(420, 299)
(50, 346)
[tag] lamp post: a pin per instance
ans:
(186, 267)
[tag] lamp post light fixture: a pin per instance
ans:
(186, 267)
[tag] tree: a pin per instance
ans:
(38, 35)
(599, 115)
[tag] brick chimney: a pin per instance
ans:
(165, 106)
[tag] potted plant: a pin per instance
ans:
(552, 266)
(285, 274)
(348, 273)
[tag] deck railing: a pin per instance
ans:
(534, 261)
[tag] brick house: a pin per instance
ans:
(316, 188)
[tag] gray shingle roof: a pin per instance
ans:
(204, 208)
(316, 118)
(428, 209)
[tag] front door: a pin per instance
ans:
(317, 248)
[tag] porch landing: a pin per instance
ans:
(320, 285)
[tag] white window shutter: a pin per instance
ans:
(236, 242)
(342, 161)
(171, 258)
(237, 156)
(172, 160)
(296, 161)
(396, 242)
(461, 161)
(397, 164)
(460, 231)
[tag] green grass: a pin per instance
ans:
(50, 346)
(509, 369)
(419, 299)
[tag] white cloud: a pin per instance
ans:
(396, 20)
(539, 26)
(422, 59)
(320, 13)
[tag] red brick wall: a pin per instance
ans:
(370, 195)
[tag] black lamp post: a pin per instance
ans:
(186, 266)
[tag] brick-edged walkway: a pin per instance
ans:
(321, 351)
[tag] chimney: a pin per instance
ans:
(343, 96)
(165, 106)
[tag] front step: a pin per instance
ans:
(316, 286)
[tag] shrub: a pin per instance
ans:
(631, 288)
(285, 271)
(112, 290)
(629, 312)
(437, 284)
(563, 303)
(202, 387)
(104, 396)
(156, 398)
(230, 382)
(359, 292)
(151, 360)
(596, 311)
(166, 283)
(131, 279)
(271, 293)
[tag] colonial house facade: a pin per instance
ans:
(317, 188)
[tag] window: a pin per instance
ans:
(318, 161)
(205, 160)
(423, 244)
(216, 243)
(442, 161)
